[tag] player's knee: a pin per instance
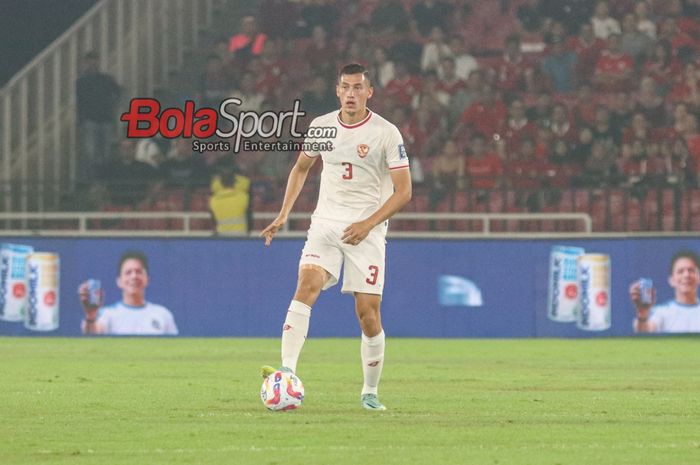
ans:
(370, 321)
(309, 285)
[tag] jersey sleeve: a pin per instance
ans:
(309, 141)
(657, 317)
(170, 326)
(394, 150)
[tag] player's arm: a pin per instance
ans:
(90, 324)
(297, 178)
(401, 178)
(642, 324)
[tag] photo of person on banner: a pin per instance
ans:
(680, 314)
(133, 315)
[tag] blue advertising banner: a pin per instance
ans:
(451, 288)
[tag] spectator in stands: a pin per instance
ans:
(601, 167)
(404, 86)
(97, 95)
(571, 13)
(560, 67)
(214, 83)
(448, 170)
(603, 129)
(248, 42)
(650, 102)
(603, 24)
(687, 88)
(484, 167)
(230, 199)
(431, 92)
(317, 13)
(645, 24)
(662, 66)
(434, 50)
(515, 127)
(681, 42)
(562, 165)
(389, 17)
(383, 68)
(621, 107)
(680, 315)
(524, 169)
(251, 99)
(587, 48)
(634, 42)
(429, 14)
(127, 178)
(484, 115)
(183, 167)
(133, 315)
(321, 52)
(561, 125)
(319, 98)
(614, 69)
(513, 73)
(464, 62)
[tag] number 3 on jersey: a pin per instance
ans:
(374, 274)
(348, 170)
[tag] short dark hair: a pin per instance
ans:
(684, 253)
(133, 255)
(354, 68)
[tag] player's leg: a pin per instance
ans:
(319, 268)
(367, 307)
(364, 277)
(311, 280)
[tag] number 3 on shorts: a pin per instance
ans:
(374, 273)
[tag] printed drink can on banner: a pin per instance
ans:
(594, 291)
(13, 281)
(43, 274)
(562, 299)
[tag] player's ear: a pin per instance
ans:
(670, 281)
(370, 92)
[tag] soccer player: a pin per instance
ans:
(133, 315)
(365, 180)
(680, 315)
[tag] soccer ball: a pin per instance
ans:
(282, 391)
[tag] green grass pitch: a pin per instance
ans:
(196, 401)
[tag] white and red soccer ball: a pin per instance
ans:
(282, 391)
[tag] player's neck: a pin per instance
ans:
(687, 299)
(353, 117)
(134, 300)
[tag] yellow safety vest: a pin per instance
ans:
(229, 205)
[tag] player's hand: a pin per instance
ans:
(636, 297)
(356, 232)
(272, 228)
(90, 310)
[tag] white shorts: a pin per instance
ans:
(364, 262)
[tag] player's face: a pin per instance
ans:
(353, 91)
(133, 277)
(685, 277)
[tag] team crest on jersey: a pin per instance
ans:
(362, 150)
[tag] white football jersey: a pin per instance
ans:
(356, 178)
(150, 320)
(673, 317)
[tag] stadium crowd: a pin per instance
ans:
(533, 96)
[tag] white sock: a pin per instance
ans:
(296, 327)
(372, 351)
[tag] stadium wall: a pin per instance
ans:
(238, 287)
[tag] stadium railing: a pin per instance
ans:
(198, 224)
